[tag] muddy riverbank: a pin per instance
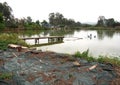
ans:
(49, 68)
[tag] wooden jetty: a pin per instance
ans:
(51, 39)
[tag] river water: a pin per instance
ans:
(99, 42)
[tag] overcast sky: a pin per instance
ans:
(79, 10)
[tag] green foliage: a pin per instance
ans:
(102, 22)
(78, 54)
(110, 22)
(103, 59)
(82, 55)
(91, 59)
(3, 45)
(85, 53)
(100, 59)
(57, 20)
(2, 25)
(5, 76)
(6, 39)
(6, 10)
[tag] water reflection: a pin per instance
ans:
(100, 33)
(99, 42)
(105, 33)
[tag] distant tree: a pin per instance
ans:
(78, 24)
(52, 19)
(29, 20)
(58, 20)
(110, 22)
(101, 21)
(6, 10)
(45, 24)
(2, 25)
(38, 22)
(22, 23)
(117, 24)
(1, 18)
(12, 23)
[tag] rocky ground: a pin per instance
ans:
(49, 68)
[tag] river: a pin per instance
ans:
(99, 42)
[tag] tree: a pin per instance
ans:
(52, 19)
(110, 22)
(6, 10)
(1, 18)
(101, 21)
(59, 18)
(56, 19)
(38, 22)
(29, 20)
(38, 25)
(2, 25)
(45, 24)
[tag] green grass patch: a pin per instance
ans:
(100, 59)
(84, 55)
(81, 55)
(5, 76)
(6, 39)
(114, 60)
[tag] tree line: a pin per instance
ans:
(56, 20)
(7, 20)
(103, 22)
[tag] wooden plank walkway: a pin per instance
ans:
(51, 39)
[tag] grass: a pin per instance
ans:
(103, 59)
(84, 55)
(100, 59)
(6, 39)
(5, 76)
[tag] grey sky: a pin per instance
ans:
(79, 10)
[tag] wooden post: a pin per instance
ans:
(38, 40)
(35, 41)
(48, 40)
